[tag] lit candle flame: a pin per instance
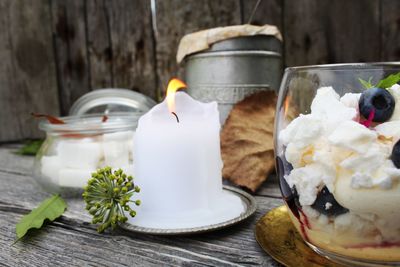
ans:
(173, 86)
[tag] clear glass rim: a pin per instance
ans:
(344, 66)
(92, 123)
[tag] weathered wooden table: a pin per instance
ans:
(73, 241)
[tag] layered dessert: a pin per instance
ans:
(341, 169)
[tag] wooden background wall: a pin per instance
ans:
(53, 51)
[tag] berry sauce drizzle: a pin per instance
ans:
(300, 216)
(291, 197)
(303, 224)
(368, 122)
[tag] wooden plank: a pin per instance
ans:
(27, 70)
(121, 46)
(270, 188)
(133, 49)
(17, 164)
(68, 23)
(175, 19)
(267, 12)
(80, 244)
(318, 32)
(99, 44)
(73, 241)
(390, 19)
(67, 243)
(12, 163)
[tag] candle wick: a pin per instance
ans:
(176, 116)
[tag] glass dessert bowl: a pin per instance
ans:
(337, 147)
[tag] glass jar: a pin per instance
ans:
(338, 157)
(74, 150)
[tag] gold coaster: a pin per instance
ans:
(276, 234)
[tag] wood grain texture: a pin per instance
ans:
(268, 12)
(27, 71)
(120, 45)
(318, 32)
(390, 25)
(72, 241)
(133, 50)
(99, 44)
(69, 36)
(175, 19)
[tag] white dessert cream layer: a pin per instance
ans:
(329, 147)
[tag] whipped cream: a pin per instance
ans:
(395, 91)
(329, 147)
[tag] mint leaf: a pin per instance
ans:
(51, 208)
(389, 81)
(366, 84)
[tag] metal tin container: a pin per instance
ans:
(233, 69)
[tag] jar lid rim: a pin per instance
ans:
(346, 66)
(92, 123)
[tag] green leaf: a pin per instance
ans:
(50, 209)
(30, 148)
(366, 84)
(389, 81)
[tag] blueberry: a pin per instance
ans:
(294, 203)
(396, 154)
(327, 204)
(283, 167)
(378, 99)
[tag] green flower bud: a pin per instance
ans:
(109, 191)
(137, 202)
(137, 189)
(93, 210)
(101, 228)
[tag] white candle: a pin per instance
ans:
(178, 164)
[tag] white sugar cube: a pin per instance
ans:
(118, 148)
(50, 166)
(80, 154)
(74, 177)
(116, 154)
